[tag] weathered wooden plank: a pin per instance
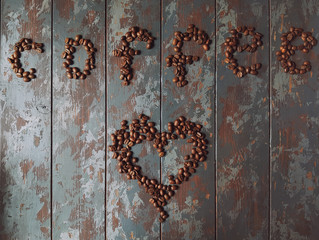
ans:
(192, 209)
(243, 128)
(129, 214)
(295, 126)
(25, 128)
(79, 125)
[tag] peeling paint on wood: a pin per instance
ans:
(243, 128)
(295, 125)
(78, 125)
(24, 131)
(191, 211)
(84, 192)
(129, 213)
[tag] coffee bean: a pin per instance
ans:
(26, 79)
(240, 74)
(19, 75)
(26, 74)
(177, 49)
(206, 47)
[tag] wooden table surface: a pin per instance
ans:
(57, 178)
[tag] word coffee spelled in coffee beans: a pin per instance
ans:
(232, 45)
(142, 129)
(14, 60)
(179, 60)
(67, 55)
(127, 53)
(287, 50)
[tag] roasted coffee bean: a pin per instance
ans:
(26, 74)
(206, 47)
(69, 62)
(69, 75)
(31, 76)
(19, 75)
(26, 79)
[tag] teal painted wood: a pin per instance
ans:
(25, 124)
(78, 125)
(243, 128)
(79, 113)
(295, 125)
(129, 213)
(192, 209)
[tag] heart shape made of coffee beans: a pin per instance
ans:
(140, 130)
(232, 45)
(14, 59)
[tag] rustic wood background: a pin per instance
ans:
(57, 180)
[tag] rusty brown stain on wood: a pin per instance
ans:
(65, 9)
(45, 231)
(25, 166)
(20, 123)
(44, 213)
(89, 227)
(32, 8)
(41, 172)
(36, 141)
(231, 109)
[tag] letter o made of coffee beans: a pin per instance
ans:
(67, 55)
(127, 53)
(179, 60)
(129, 135)
(287, 50)
(14, 59)
(232, 45)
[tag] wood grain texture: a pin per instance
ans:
(129, 214)
(192, 209)
(295, 126)
(243, 128)
(25, 124)
(78, 125)
(91, 200)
